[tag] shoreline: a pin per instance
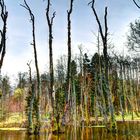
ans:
(90, 125)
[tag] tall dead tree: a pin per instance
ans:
(50, 25)
(68, 75)
(4, 15)
(69, 12)
(104, 35)
(37, 109)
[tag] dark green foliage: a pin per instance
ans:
(60, 70)
(134, 36)
(22, 80)
(77, 88)
(76, 80)
(60, 100)
(30, 108)
(73, 68)
(5, 85)
(86, 64)
(114, 89)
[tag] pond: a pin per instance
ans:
(126, 131)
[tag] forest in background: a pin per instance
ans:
(80, 90)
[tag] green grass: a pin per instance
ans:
(98, 126)
(13, 129)
(128, 117)
(13, 119)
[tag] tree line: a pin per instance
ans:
(82, 88)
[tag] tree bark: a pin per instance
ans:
(50, 25)
(104, 40)
(69, 12)
(37, 125)
(4, 16)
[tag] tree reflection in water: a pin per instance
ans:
(126, 131)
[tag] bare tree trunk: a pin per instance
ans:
(131, 92)
(68, 77)
(81, 86)
(100, 84)
(69, 12)
(121, 93)
(4, 16)
(104, 40)
(37, 125)
(50, 25)
(125, 88)
(137, 89)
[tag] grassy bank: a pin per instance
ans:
(16, 121)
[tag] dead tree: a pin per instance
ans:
(4, 15)
(104, 35)
(68, 75)
(50, 25)
(32, 18)
(69, 12)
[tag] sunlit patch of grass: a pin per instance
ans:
(13, 119)
(128, 117)
(13, 129)
(98, 126)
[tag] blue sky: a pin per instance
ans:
(19, 37)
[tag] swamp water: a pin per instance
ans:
(126, 131)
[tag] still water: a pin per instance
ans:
(127, 131)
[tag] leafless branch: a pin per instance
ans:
(54, 13)
(26, 6)
(105, 21)
(49, 19)
(136, 4)
(71, 7)
(92, 3)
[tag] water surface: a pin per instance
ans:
(127, 131)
